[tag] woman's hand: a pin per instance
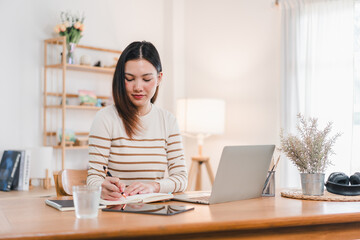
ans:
(140, 188)
(112, 188)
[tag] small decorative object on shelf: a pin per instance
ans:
(85, 60)
(82, 141)
(87, 98)
(98, 103)
(97, 64)
(309, 152)
(69, 137)
(72, 26)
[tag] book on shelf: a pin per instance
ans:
(140, 198)
(22, 174)
(15, 181)
(8, 166)
(64, 205)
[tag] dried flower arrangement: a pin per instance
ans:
(310, 150)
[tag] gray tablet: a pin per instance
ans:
(148, 209)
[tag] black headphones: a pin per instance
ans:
(339, 183)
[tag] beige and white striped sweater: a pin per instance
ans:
(144, 158)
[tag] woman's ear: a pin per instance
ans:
(160, 75)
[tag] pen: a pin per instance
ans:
(107, 172)
(276, 163)
(109, 175)
(272, 171)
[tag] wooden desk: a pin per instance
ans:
(34, 192)
(271, 218)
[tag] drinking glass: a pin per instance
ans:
(86, 201)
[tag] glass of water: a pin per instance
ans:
(86, 201)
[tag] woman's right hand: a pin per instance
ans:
(112, 188)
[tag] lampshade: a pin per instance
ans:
(201, 115)
(41, 159)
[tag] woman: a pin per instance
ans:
(133, 138)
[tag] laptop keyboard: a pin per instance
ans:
(201, 198)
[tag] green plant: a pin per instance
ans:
(309, 151)
(72, 26)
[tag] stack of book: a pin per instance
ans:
(15, 170)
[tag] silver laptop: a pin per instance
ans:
(241, 175)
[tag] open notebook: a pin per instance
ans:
(140, 198)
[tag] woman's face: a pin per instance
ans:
(141, 80)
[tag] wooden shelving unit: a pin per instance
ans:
(69, 95)
(74, 107)
(61, 65)
(76, 67)
(71, 147)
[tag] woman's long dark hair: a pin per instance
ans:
(125, 108)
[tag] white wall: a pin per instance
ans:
(110, 24)
(232, 51)
(227, 49)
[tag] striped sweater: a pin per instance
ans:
(144, 158)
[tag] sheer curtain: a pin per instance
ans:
(318, 74)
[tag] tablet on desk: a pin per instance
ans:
(148, 209)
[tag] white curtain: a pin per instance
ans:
(318, 74)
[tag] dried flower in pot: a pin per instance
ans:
(309, 151)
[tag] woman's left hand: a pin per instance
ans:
(140, 188)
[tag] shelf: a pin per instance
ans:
(71, 95)
(76, 133)
(53, 47)
(83, 68)
(75, 107)
(72, 148)
(60, 40)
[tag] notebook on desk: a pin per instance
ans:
(64, 205)
(241, 175)
(140, 198)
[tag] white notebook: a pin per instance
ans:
(140, 198)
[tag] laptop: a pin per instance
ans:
(241, 175)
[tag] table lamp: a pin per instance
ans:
(200, 118)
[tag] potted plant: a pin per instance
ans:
(309, 151)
